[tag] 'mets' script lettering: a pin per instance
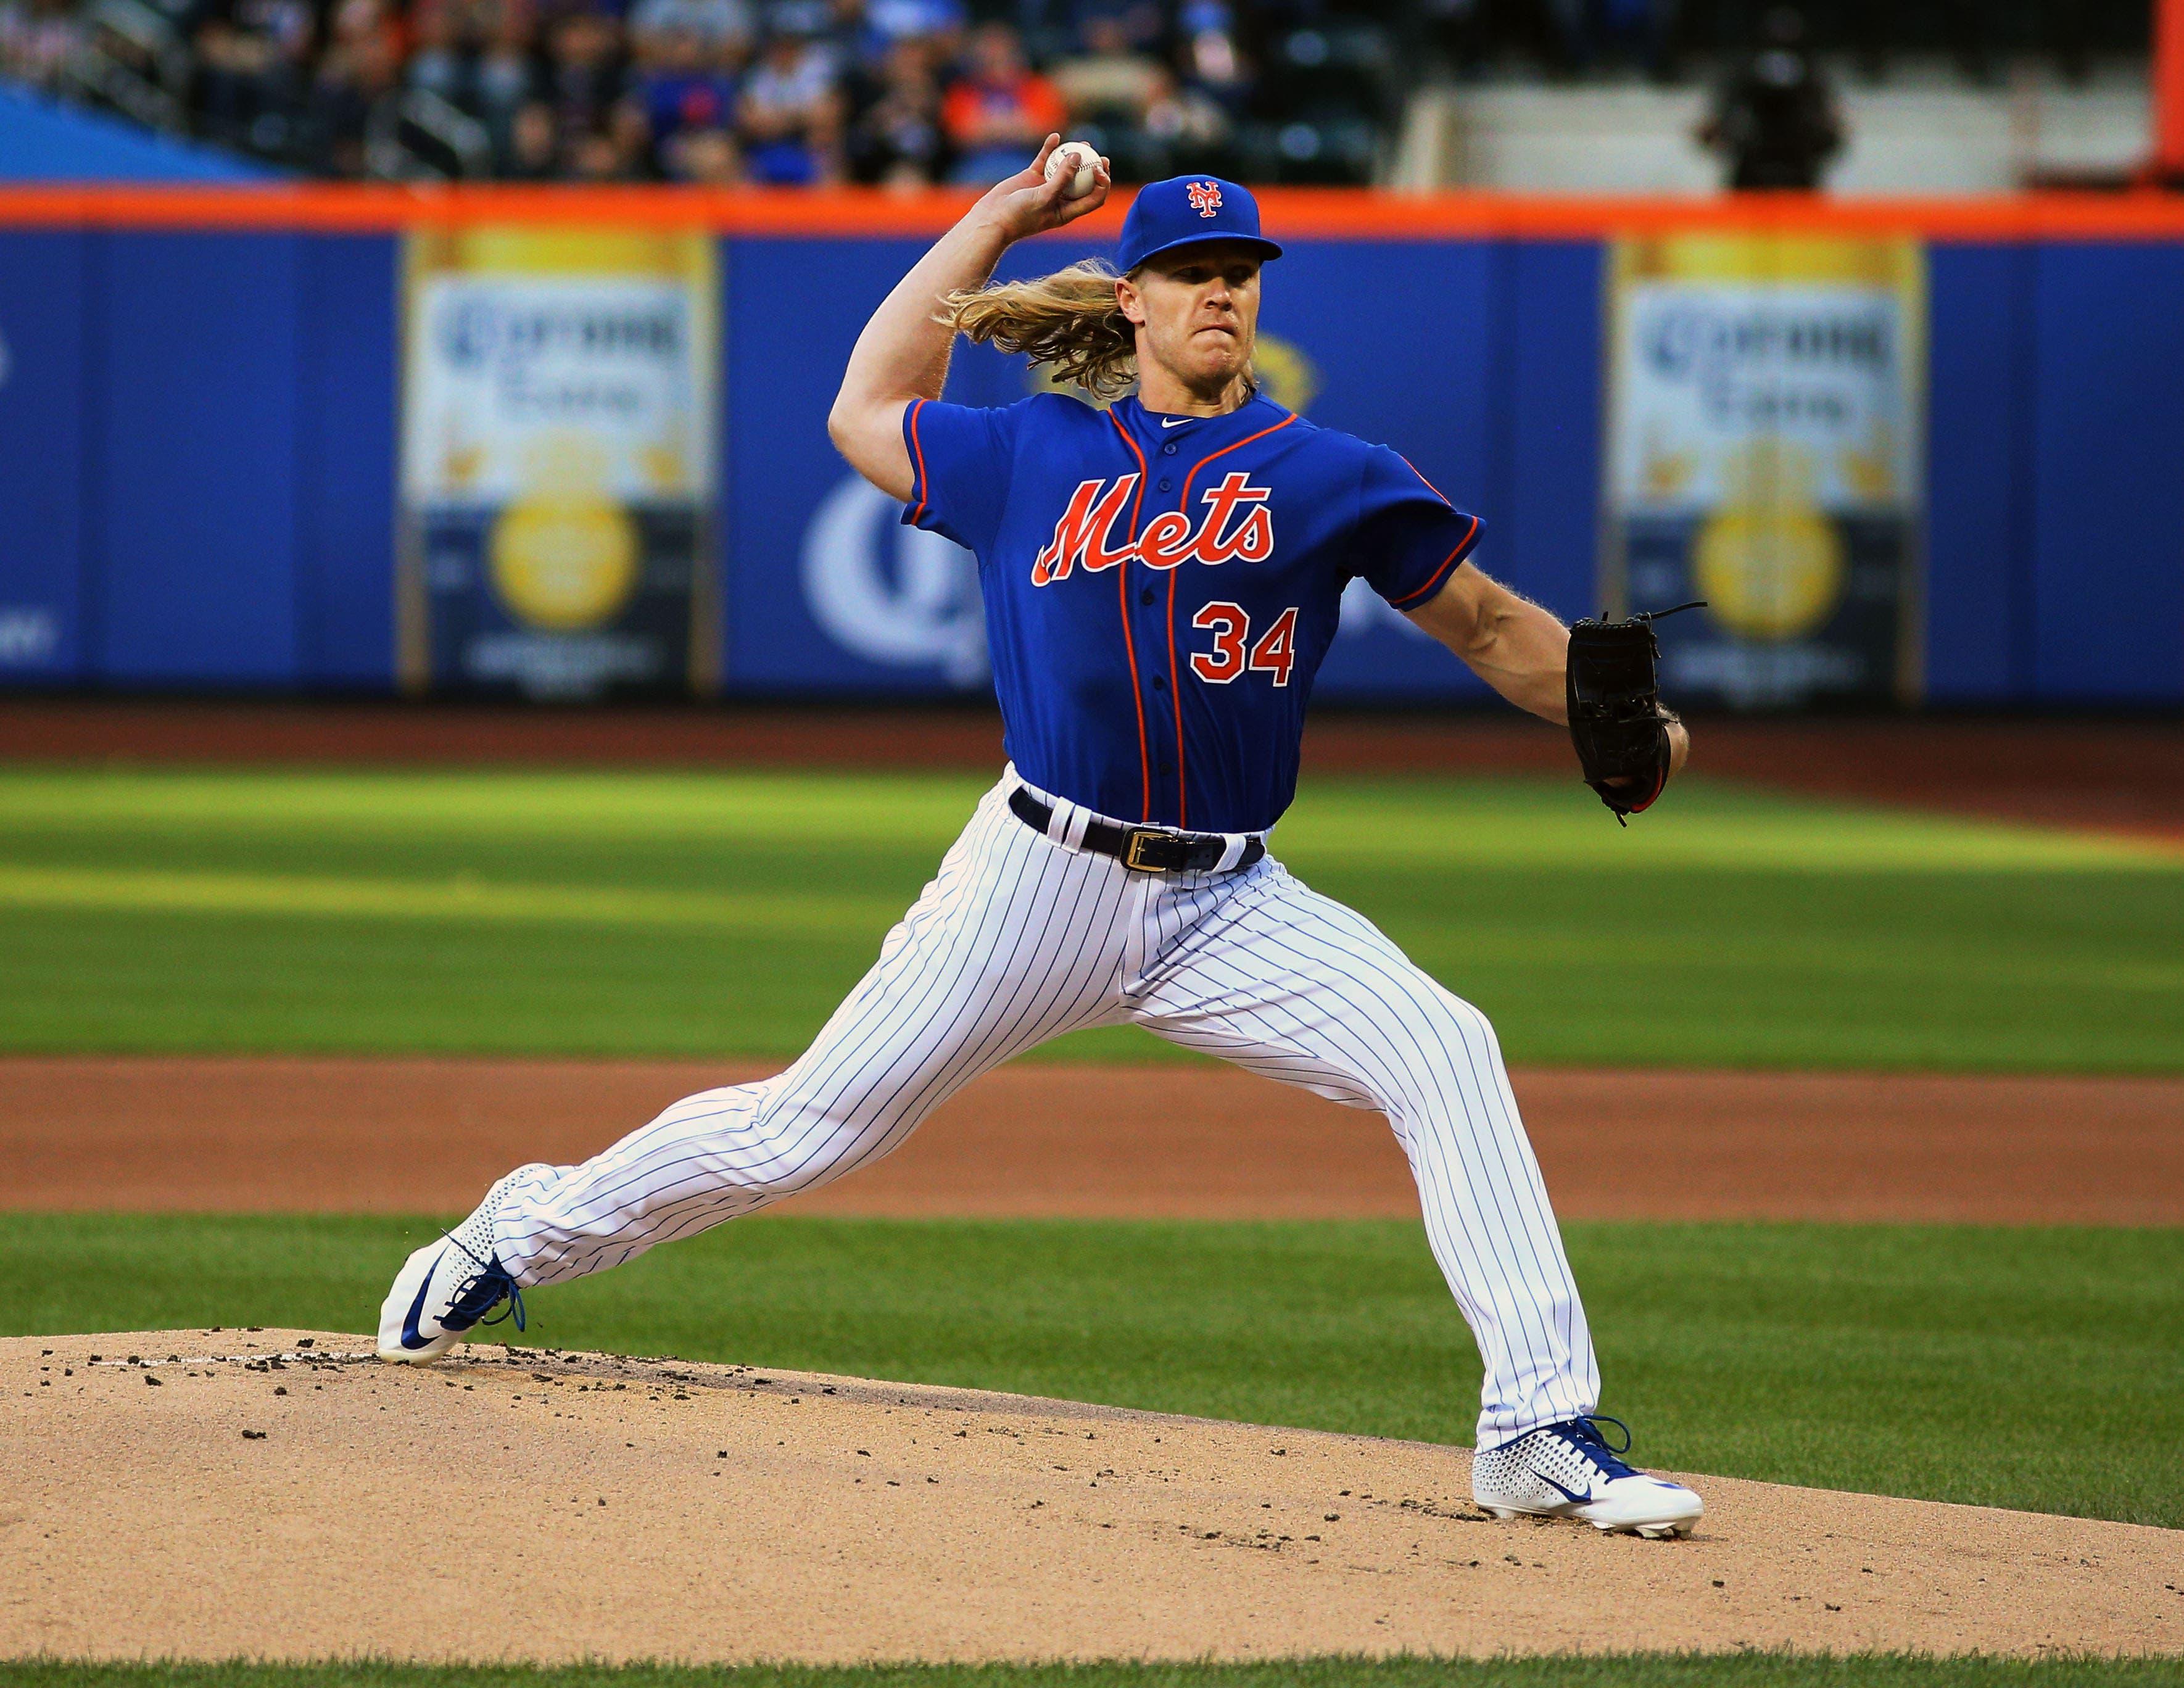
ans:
(1236, 527)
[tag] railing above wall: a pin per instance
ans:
(1327, 214)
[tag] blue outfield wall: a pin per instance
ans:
(197, 459)
(2106, 574)
(197, 450)
(44, 441)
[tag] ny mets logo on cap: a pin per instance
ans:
(1188, 210)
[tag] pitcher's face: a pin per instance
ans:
(1197, 311)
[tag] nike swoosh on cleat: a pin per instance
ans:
(1572, 1494)
(410, 1339)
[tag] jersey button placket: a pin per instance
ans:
(1170, 706)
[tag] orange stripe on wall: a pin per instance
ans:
(1298, 212)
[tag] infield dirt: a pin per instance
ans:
(301, 1135)
(280, 1495)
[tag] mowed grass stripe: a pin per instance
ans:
(770, 913)
(692, 914)
(1397, 821)
(492, 802)
(780, 912)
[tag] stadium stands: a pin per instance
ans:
(768, 92)
(1587, 95)
(1930, 134)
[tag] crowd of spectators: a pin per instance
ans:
(764, 91)
(912, 92)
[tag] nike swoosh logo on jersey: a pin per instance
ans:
(1176, 421)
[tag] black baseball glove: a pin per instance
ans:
(1617, 720)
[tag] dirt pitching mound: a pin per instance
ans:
(282, 1495)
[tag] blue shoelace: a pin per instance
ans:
(1585, 1433)
(491, 1285)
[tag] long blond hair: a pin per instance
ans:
(1067, 321)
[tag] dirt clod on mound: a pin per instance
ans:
(285, 1495)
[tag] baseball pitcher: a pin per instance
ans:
(1161, 579)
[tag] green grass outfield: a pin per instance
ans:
(726, 914)
(178, 910)
(1747, 1670)
(2034, 1369)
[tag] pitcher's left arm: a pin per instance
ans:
(1513, 645)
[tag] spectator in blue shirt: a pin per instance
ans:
(789, 115)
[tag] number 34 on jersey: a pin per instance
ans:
(1235, 653)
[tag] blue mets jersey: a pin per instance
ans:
(1160, 590)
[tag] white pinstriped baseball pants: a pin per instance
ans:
(1020, 939)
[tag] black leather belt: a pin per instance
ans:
(1146, 849)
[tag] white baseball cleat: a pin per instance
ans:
(1567, 1471)
(445, 1289)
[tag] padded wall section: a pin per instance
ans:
(824, 590)
(194, 398)
(2108, 602)
(1979, 518)
(348, 374)
(1550, 547)
(41, 457)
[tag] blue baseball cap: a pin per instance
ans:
(1186, 209)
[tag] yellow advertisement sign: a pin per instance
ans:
(560, 393)
(1766, 399)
